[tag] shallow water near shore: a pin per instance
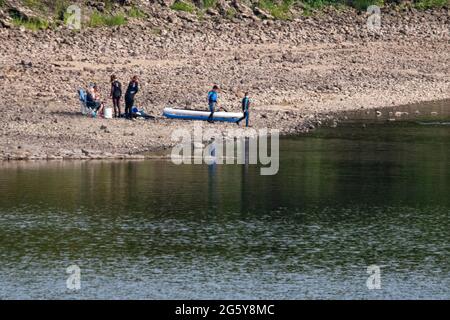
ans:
(425, 113)
(345, 198)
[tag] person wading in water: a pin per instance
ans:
(133, 88)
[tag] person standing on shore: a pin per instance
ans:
(245, 109)
(116, 95)
(133, 88)
(213, 96)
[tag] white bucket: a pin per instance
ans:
(108, 113)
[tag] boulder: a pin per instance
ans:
(17, 9)
(164, 3)
(5, 20)
(262, 13)
(212, 12)
(242, 9)
(223, 7)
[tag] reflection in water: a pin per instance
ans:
(344, 199)
(212, 188)
(424, 112)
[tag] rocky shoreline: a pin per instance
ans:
(299, 73)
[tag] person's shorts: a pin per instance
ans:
(212, 106)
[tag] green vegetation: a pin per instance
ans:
(278, 9)
(35, 4)
(31, 24)
(183, 6)
(428, 4)
(137, 13)
(156, 31)
(99, 20)
(115, 16)
(57, 10)
(60, 10)
(231, 13)
(209, 4)
(310, 6)
(108, 4)
(364, 4)
(281, 9)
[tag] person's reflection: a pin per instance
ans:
(245, 178)
(212, 183)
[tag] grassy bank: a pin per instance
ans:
(53, 13)
(100, 20)
(429, 4)
(50, 14)
(286, 9)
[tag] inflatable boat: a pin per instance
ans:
(201, 115)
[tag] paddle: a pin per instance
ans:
(223, 109)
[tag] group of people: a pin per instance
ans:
(93, 99)
(213, 98)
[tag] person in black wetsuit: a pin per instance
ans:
(245, 109)
(133, 88)
(116, 95)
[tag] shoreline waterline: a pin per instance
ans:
(435, 111)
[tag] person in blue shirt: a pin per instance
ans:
(245, 109)
(213, 96)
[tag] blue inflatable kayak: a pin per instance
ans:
(172, 113)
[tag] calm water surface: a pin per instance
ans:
(344, 199)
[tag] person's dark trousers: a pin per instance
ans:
(212, 106)
(116, 104)
(211, 116)
(94, 105)
(244, 117)
(128, 107)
